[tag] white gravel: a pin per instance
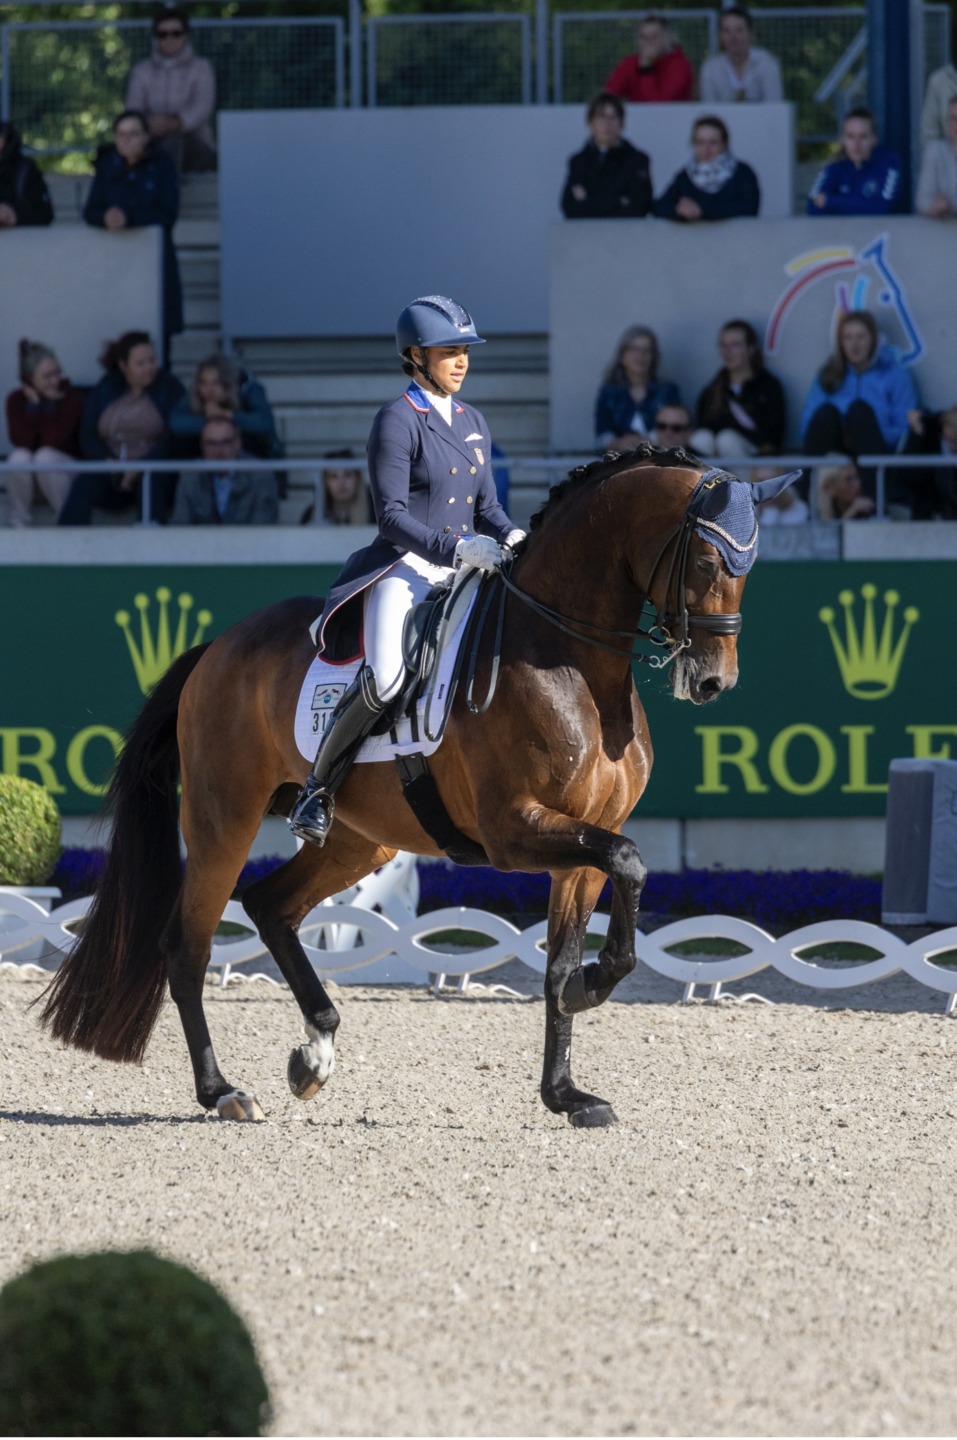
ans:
(761, 1247)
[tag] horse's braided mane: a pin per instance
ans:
(610, 464)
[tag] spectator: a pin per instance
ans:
(839, 491)
(743, 71)
(865, 179)
(672, 427)
(125, 417)
(43, 421)
(659, 69)
(225, 496)
(937, 183)
(863, 400)
(631, 393)
(933, 492)
(609, 177)
(176, 90)
(787, 508)
(221, 389)
(24, 197)
(741, 411)
(941, 89)
(135, 185)
(713, 185)
(345, 497)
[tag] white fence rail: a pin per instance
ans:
(352, 944)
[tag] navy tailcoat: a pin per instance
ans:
(431, 485)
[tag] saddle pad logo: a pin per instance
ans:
(326, 696)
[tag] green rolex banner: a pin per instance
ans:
(843, 667)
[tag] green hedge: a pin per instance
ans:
(29, 832)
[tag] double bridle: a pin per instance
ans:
(669, 629)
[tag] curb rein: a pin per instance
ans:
(668, 631)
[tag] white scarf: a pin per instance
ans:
(712, 175)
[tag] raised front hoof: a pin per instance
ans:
(303, 1079)
(237, 1105)
(592, 1117)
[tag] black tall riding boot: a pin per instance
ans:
(353, 718)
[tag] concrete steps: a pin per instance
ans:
(325, 390)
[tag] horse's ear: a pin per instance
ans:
(768, 489)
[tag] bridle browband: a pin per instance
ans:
(669, 629)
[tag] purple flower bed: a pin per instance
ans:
(778, 900)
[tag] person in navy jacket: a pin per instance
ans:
(865, 179)
(436, 509)
(714, 185)
(135, 184)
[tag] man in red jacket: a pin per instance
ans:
(659, 70)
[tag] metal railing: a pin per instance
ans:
(314, 469)
(63, 81)
(530, 476)
(467, 59)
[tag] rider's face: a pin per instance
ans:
(447, 364)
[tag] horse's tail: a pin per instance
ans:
(106, 995)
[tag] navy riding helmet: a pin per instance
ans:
(435, 320)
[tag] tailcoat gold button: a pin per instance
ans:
(472, 470)
(453, 471)
(468, 499)
(451, 499)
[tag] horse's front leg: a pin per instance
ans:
(590, 985)
(571, 902)
(561, 844)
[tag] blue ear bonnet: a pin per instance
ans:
(724, 514)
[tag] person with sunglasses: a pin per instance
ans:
(672, 427)
(176, 90)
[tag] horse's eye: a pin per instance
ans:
(707, 565)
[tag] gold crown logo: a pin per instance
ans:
(869, 663)
(154, 654)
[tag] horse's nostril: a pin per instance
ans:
(712, 686)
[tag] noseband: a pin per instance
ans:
(669, 630)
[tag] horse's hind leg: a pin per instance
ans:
(187, 940)
(277, 905)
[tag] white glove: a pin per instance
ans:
(479, 550)
(513, 538)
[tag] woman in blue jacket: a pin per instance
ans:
(135, 184)
(631, 393)
(863, 400)
(714, 185)
(434, 495)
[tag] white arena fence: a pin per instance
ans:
(371, 935)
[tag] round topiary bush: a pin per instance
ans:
(124, 1344)
(29, 832)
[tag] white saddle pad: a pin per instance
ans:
(325, 683)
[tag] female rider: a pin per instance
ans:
(436, 510)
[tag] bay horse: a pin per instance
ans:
(542, 780)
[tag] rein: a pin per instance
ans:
(669, 630)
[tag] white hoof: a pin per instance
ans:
(237, 1105)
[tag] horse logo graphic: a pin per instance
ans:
(859, 275)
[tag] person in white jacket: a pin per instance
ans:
(176, 91)
(743, 71)
(941, 88)
(937, 183)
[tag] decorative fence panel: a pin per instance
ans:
(354, 945)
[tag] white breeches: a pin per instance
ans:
(386, 604)
(24, 488)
